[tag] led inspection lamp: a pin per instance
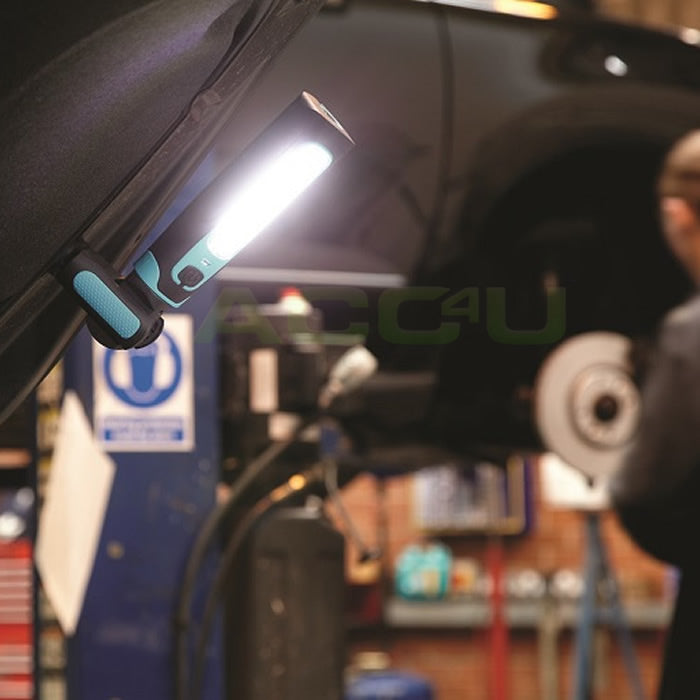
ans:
(283, 162)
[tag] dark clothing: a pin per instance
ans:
(657, 490)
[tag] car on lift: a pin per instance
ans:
(507, 153)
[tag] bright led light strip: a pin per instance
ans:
(266, 196)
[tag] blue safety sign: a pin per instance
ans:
(144, 398)
(147, 376)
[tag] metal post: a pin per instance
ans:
(600, 579)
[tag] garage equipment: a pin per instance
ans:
(601, 604)
(158, 501)
(284, 616)
(353, 368)
(587, 409)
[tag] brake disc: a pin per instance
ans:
(586, 402)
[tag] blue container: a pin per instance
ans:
(390, 685)
(423, 573)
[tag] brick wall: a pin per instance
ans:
(457, 662)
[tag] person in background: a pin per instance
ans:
(656, 493)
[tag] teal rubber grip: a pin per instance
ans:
(106, 304)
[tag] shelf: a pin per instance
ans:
(520, 614)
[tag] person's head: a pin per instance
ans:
(679, 199)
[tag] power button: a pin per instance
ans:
(190, 276)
